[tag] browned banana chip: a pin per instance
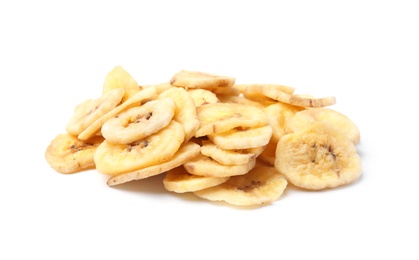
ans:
(67, 154)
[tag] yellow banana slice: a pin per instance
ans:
(318, 157)
(229, 157)
(180, 181)
(205, 166)
(139, 122)
(185, 112)
(120, 78)
(262, 185)
(115, 159)
(277, 115)
(307, 117)
(221, 117)
(197, 79)
(268, 155)
(240, 138)
(140, 97)
(67, 154)
(87, 112)
(257, 91)
(186, 152)
(202, 96)
(240, 100)
(161, 87)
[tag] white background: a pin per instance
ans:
(55, 54)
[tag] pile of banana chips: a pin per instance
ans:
(237, 143)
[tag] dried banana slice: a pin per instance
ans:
(186, 152)
(205, 166)
(115, 159)
(307, 117)
(221, 117)
(256, 91)
(242, 138)
(268, 155)
(140, 97)
(139, 122)
(185, 112)
(262, 185)
(229, 157)
(67, 154)
(87, 112)
(197, 79)
(202, 96)
(277, 115)
(318, 157)
(240, 100)
(180, 181)
(120, 78)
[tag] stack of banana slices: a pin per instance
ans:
(242, 144)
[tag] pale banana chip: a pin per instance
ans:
(140, 97)
(113, 159)
(180, 181)
(202, 96)
(318, 157)
(229, 157)
(120, 78)
(277, 115)
(67, 154)
(205, 166)
(197, 79)
(139, 122)
(185, 112)
(87, 112)
(269, 153)
(186, 152)
(260, 186)
(305, 118)
(221, 117)
(240, 138)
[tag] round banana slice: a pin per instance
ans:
(221, 117)
(139, 122)
(229, 157)
(318, 157)
(277, 114)
(205, 166)
(202, 96)
(262, 185)
(185, 111)
(67, 154)
(115, 159)
(307, 117)
(243, 138)
(120, 78)
(186, 152)
(87, 112)
(196, 79)
(180, 181)
(160, 87)
(140, 97)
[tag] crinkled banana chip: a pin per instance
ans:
(68, 154)
(318, 157)
(260, 186)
